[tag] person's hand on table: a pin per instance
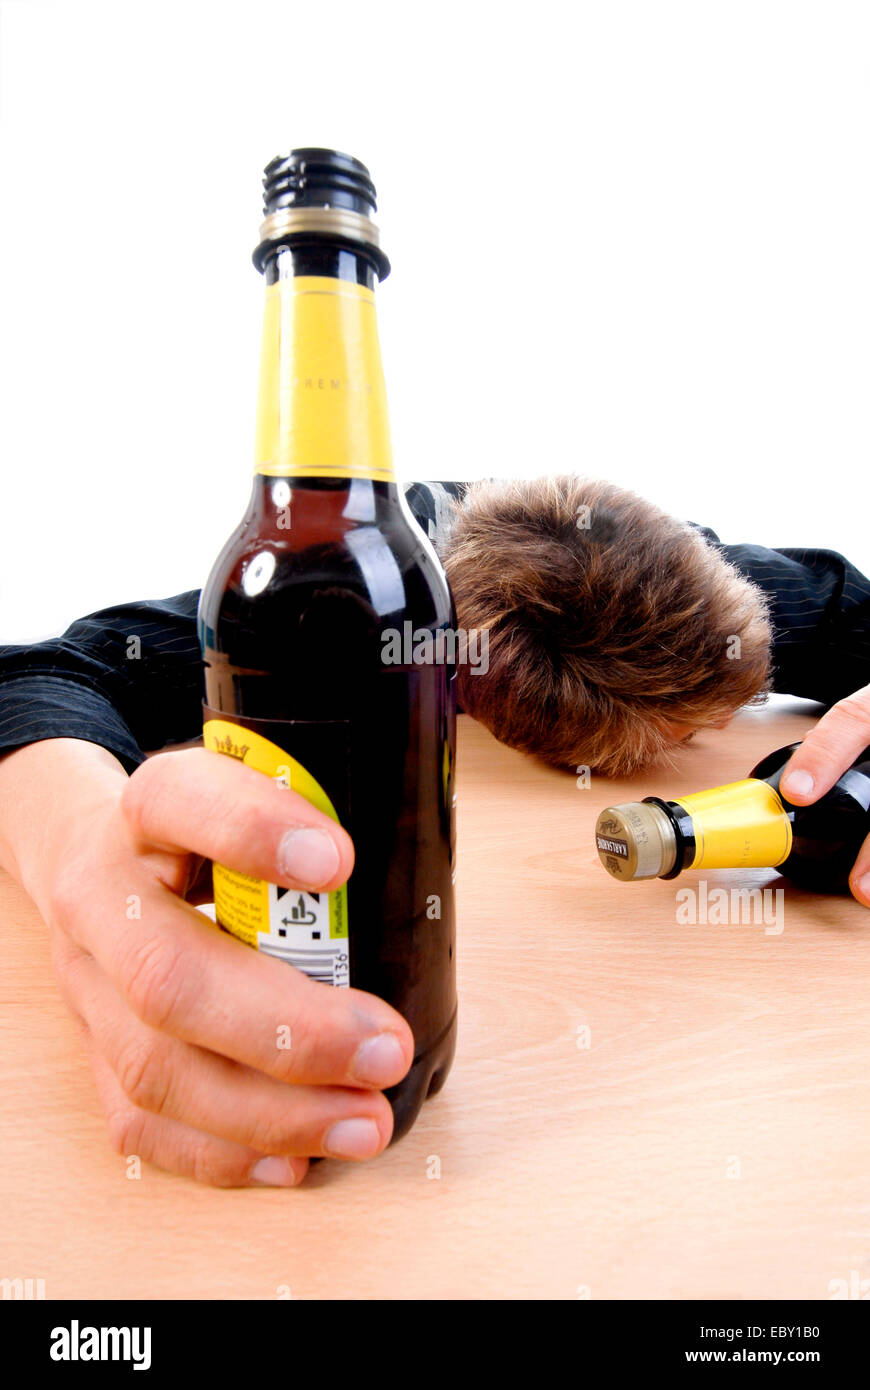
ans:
(184, 1024)
(826, 752)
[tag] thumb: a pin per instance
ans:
(829, 748)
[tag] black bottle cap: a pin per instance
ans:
(324, 195)
(317, 178)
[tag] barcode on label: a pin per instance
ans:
(330, 967)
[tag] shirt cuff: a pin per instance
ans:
(39, 707)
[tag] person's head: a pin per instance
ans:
(614, 630)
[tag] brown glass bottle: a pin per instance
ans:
(301, 611)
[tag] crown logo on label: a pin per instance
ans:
(232, 750)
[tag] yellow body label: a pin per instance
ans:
(741, 825)
(308, 930)
(322, 406)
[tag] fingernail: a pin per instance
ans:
(273, 1172)
(353, 1139)
(379, 1061)
(309, 856)
(863, 885)
(800, 782)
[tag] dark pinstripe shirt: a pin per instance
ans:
(83, 684)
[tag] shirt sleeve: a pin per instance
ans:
(433, 506)
(128, 678)
(820, 610)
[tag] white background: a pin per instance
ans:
(628, 239)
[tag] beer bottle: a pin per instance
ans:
(742, 825)
(304, 680)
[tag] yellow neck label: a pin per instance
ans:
(322, 405)
(739, 826)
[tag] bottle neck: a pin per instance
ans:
(322, 407)
(319, 257)
(737, 826)
(740, 825)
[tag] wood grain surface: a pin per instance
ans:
(637, 1108)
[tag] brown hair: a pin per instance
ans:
(606, 618)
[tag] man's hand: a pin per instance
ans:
(827, 751)
(187, 1027)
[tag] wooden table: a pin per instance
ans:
(712, 1140)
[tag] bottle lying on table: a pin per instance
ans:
(742, 825)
